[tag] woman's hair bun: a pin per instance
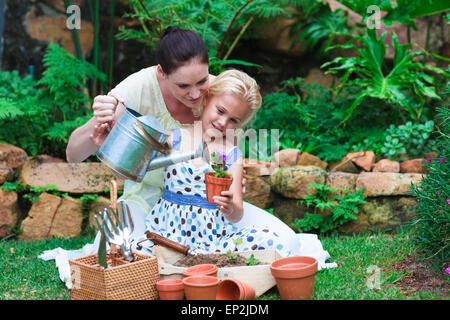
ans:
(168, 30)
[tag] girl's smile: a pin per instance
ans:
(223, 112)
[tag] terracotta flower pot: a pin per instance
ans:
(200, 287)
(234, 289)
(201, 269)
(295, 277)
(214, 185)
(170, 289)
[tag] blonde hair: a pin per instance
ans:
(239, 84)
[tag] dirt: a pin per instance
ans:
(421, 277)
(219, 259)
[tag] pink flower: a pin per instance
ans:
(448, 201)
(429, 159)
(441, 160)
(438, 192)
(447, 270)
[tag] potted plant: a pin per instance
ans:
(219, 180)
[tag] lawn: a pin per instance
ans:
(366, 269)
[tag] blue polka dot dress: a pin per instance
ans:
(183, 215)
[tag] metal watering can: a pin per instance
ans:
(132, 146)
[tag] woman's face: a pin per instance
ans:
(223, 112)
(189, 83)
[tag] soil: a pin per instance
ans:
(219, 259)
(421, 277)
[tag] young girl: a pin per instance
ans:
(182, 214)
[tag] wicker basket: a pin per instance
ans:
(123, 280)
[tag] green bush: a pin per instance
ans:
(335, 210)
(432, 224)
(40, 116)
(410, 138)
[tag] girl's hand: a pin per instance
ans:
(225, 202)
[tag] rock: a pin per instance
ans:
(276, 38)
(381, 213)
(413, 166)
(45, 158)
(342, 180)
(344, 165)
(78, 178)
(386, 183)
(9, 212)
(293, 181)
(6, 172)
(54, 29)
(259, 168)
(95, 208)
(39, 221)
(52, 216)
(316, 75)
(287, 157)
(59, 4)
(386, 165)
(287, 210)
(257, 192)
(67, 220)
(364, 159)
(12, 156)
(306, 159)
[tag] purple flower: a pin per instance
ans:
(438, 192)
(221, 154)
(448, 201)
(429, 159)
(441, 160)
(447, 270)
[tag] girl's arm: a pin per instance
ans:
(231, 201)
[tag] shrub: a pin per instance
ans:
(432, 223)
(40, 116)
(335, 210)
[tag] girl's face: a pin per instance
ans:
(189, 83)
(223, 112)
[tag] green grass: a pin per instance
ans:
(24, 276)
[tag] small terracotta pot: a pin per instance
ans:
(200, 287)
(170, 289)
(234, 289)
(214, 185)
(205, 269)
(295, 277)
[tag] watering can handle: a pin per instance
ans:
(164, 149)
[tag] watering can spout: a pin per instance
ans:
(165, 160)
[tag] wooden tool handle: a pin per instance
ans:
(156, 238)
(113, 201)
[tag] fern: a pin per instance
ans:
(40, 116)
(330, 209)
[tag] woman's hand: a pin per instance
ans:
(225, 202)
(104, 108)
(99, 134)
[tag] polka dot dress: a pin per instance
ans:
(183, 215)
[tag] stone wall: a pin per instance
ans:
(278, 185)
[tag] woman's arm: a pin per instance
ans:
(231, 201)
(86, 139)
